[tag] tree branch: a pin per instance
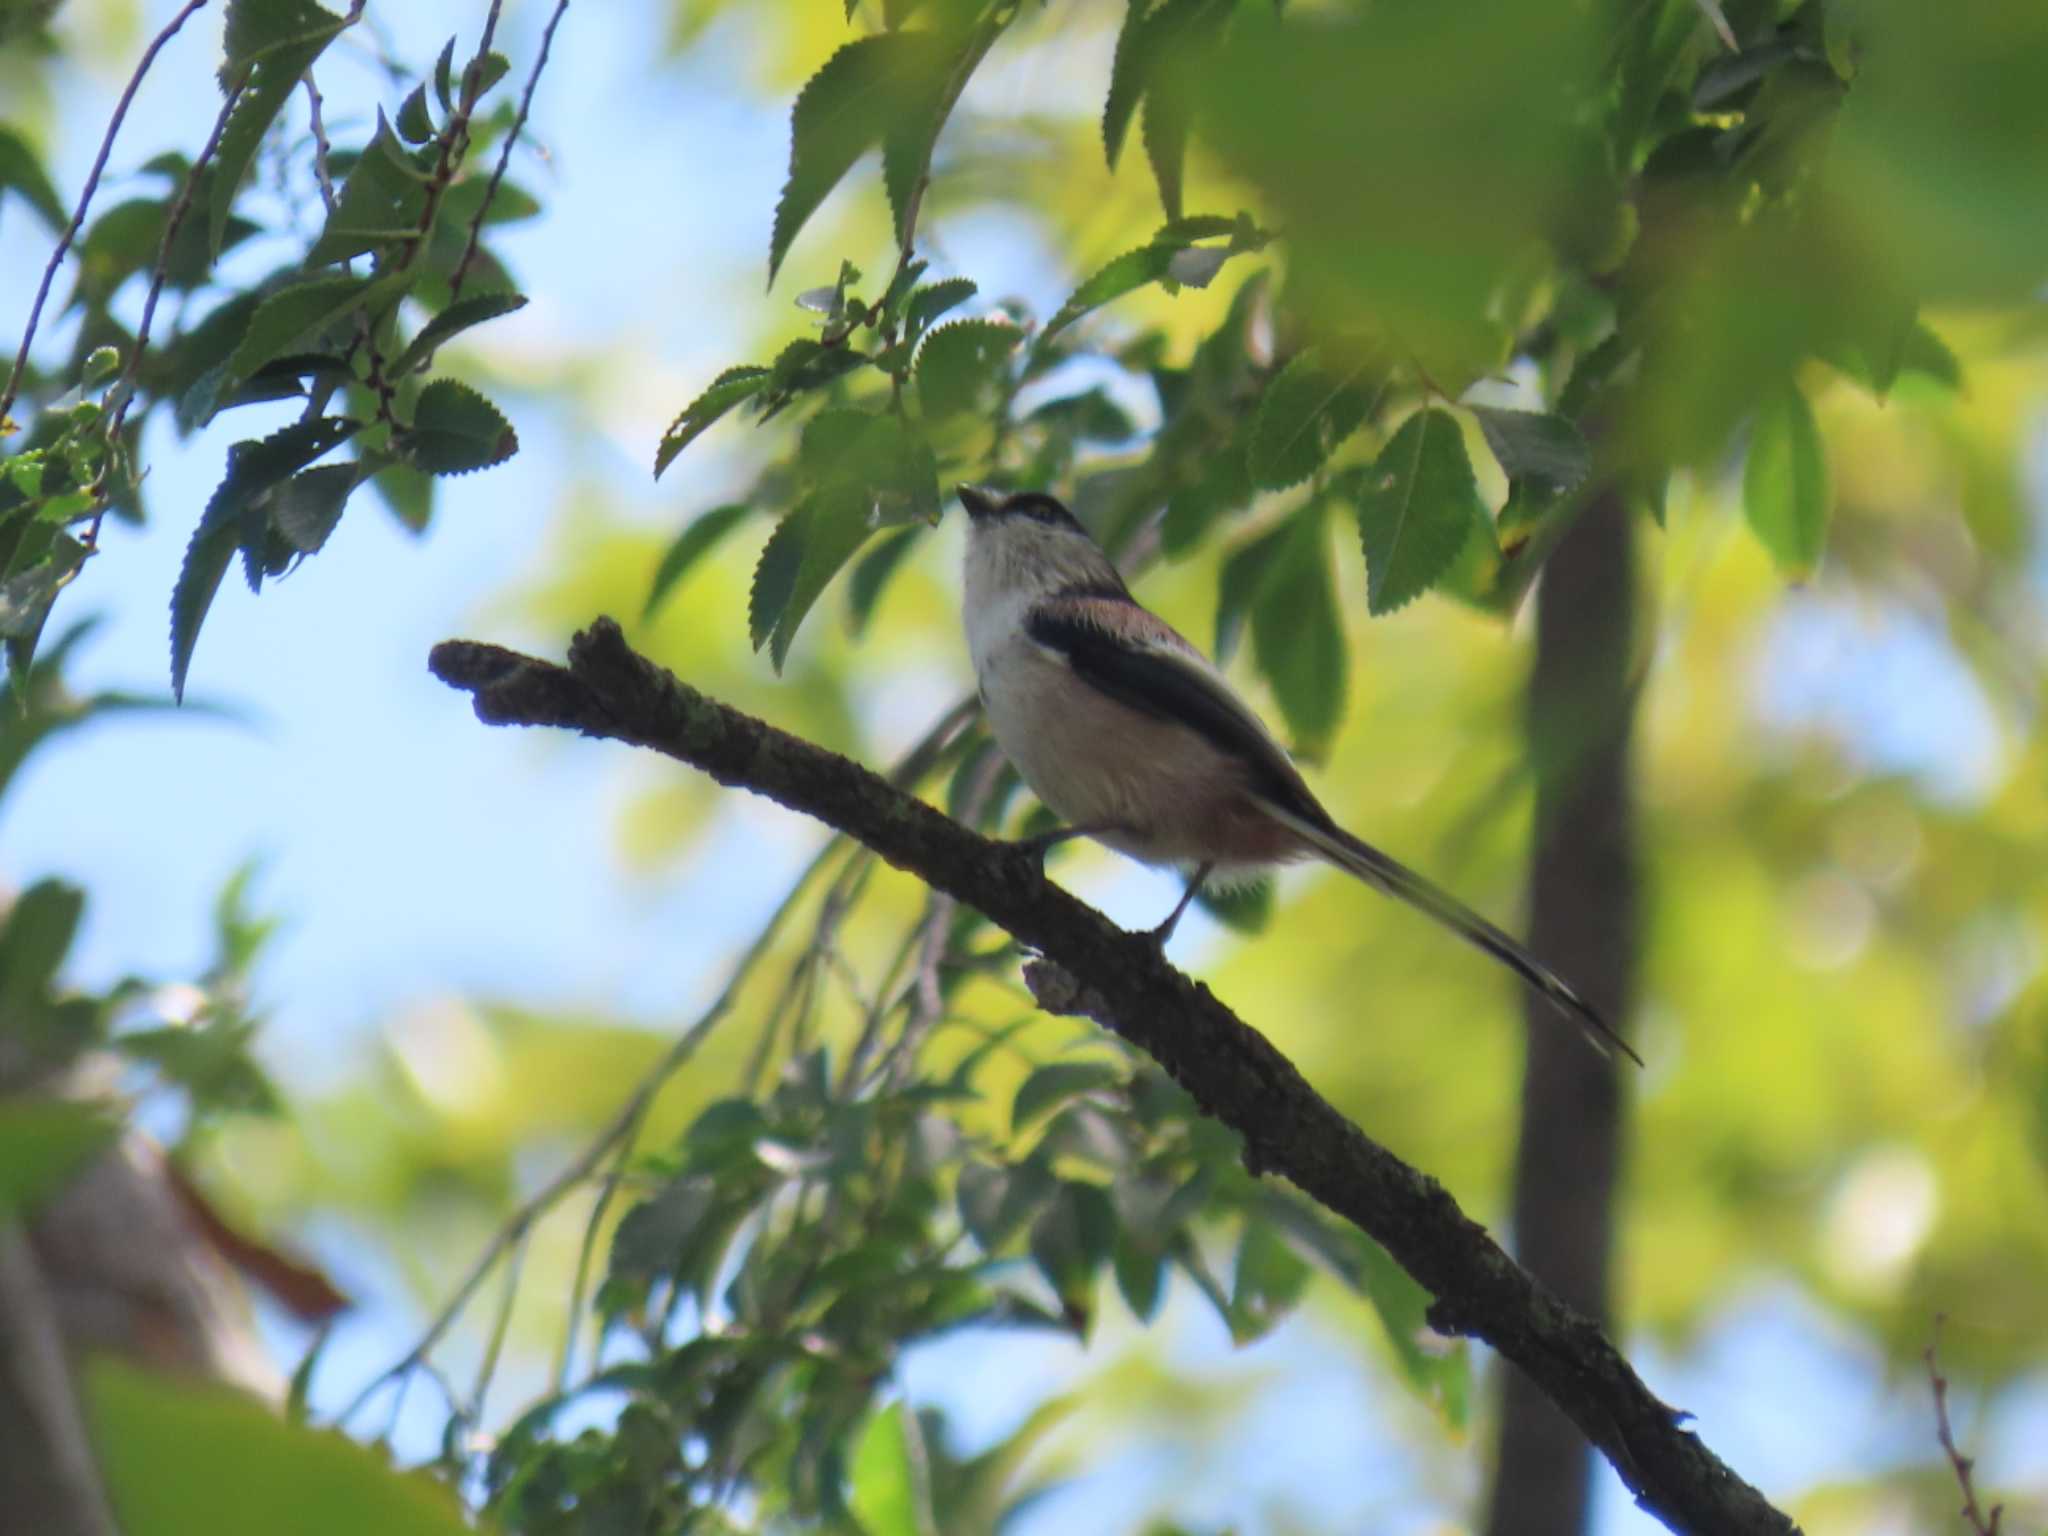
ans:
(1124, 982)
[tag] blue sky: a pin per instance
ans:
(416, 855)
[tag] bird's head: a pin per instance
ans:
(1030, 540)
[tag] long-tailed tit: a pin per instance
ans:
(1132, 737)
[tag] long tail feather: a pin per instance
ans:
(1367, 863)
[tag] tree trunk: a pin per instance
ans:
(1583, 904)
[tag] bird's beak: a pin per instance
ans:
(978, 502)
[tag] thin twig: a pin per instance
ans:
(92, 183)
(476, 224)
(1962, 1465)
(500, 1325)
(123, 391)
(321, 148)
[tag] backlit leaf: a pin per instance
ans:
(1310, 407)
(691, 545)
(724, 392)
(1415, 508)
(1785, 489)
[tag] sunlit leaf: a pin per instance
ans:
(1415, 507)
(180, 1454)
(1785, 489)
(723, 393)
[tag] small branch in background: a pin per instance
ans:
(85, 197)
(1230, 1070)
(321, 148)
(123, 391)
(483, 209)
(1963, 1466)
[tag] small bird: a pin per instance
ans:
(1133, 738)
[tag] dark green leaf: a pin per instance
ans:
(1298, 636)
(724, 392)
(1070, 1240)
(1179, 37)
(36, 932)
(280, 48)
(253, 468)
(295, 318)
(921, 111)
(381, 202)
(42, 1143)
(179, 1455)
(1140, 1268)
(484, 73)
(305, 509)
(957, 363)
(864, 587)
(866, 90)
(839, 525)
(1269, 1281)
(1126, 79)
(1546, 451)
(1239, 584)
(1415, 509)
(408, 493)
(444, 89)
(876, 453)
(455, 430)
(691, 545)
(1309, 408)
(22, 171)
(1052, 1085)
(1242, 908)
(453, 320)
(26, 595)
(1785, 488)
(414, 122)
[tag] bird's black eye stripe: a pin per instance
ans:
(1039, 507)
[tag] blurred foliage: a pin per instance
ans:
(1360, 302)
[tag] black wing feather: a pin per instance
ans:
(1155, 686)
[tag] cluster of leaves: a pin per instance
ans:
(194, 1039)
(792, 1247)
(350, 327)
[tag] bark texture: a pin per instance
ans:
(1584, 905)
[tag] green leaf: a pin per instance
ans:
(42, 1143)
(1052, 1085)
(691, 545)
(802, 556)
(455, 431)
(1310, 407)
(933, 300)
(381, 203)
(21, 170)
(294, 318)
(1126, 80)
(723, 393)
(869, 88)
(306, 508)
(414, 122)
(891, 1494)
(453, 320)
(921, 112)
(35, 935)
(276, 48)
(958, 361)
(1178, 38)
(25, 596)
(876, 453)
(1269, 1280)
(1126, 274)
(253, 468)
(180, 1455)
(1545, 451)
(1244, 908)
(1298, 636)
(1785, 488)
(1239, 584)
(1070, 1241)
(1415, 508)
(864, 588)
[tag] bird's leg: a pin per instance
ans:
(1165, 930)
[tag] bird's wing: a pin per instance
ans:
(1138, 659)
